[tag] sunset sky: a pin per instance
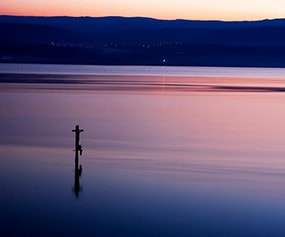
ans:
(163, 9)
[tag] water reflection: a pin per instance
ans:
(77, 173)
(222, 151)
(78, 168)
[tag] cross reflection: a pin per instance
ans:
(77, 174)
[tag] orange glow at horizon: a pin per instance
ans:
(161, 9)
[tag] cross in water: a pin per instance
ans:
(78, 169)
(78, 147)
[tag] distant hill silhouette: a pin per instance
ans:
(141, 41)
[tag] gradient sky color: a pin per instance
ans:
(163, 9)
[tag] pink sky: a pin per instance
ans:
(164, 9)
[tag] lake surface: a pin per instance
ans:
(167, 151)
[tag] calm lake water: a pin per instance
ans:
(167, 151)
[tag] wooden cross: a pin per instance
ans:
(78, 147)
(78, 169)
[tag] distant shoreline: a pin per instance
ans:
(142, 41)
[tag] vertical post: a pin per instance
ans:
(78, 147)
(78, 151)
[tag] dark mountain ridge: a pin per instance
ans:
(138, 40)
(128, 23)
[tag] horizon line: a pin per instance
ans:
(146, 17)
